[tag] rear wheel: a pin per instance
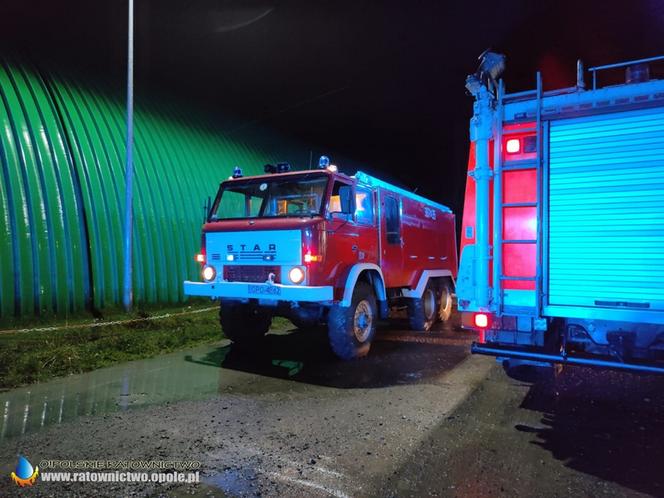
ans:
(244, 324)
(351, 329)
(423, 311)
(445, 300)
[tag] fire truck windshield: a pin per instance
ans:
(297, 196)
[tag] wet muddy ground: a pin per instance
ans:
(418, 417)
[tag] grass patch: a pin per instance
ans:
(106, 315)
(36, 356)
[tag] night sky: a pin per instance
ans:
(379, 82)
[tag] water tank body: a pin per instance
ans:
(62, 153)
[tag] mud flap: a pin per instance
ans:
(466, 281)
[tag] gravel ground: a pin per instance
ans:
(307, 425)
(418, 417)
(585, 433)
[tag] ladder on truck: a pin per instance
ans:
(500, 167)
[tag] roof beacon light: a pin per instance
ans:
(323, 162)
(332, 168)
(278, 168)
(237, 172)
(283, 167)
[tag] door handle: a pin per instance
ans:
(354, 248)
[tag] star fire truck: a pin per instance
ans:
(562, 242)
(318, 246)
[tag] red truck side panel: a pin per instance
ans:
(468, 227)
(428, 242)
(519, 223)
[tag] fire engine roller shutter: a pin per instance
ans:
(606, 211)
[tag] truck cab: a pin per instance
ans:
(321, 247)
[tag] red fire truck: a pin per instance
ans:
(319, 246)
(562, 249)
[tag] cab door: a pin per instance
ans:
(392, 262)
(350, 238)
(366, 223)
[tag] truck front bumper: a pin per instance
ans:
(263, 291)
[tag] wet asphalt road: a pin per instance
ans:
(584, 433)
(418, 417)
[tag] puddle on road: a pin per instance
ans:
(210, 370)
(157, 380)
(233, 482)
(230, 482)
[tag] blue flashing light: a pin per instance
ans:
(323, 162)
(283, 167)
(237, 172)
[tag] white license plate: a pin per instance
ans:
(264, 290)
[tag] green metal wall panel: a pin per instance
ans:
(62, 153)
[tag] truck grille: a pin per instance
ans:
(246, 273)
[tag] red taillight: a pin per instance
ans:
(481, 320)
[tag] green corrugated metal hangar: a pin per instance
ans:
(62, 153)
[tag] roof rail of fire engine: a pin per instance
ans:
(596, 69)
(371, 181)
(531, 94)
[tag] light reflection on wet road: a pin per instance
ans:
(417, 417)
(396, 358)
(167, 378)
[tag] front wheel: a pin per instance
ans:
(352, 329)
(244, 324)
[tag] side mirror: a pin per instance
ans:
(347, 199)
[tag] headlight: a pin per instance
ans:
(209, 273)
(296, 275)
